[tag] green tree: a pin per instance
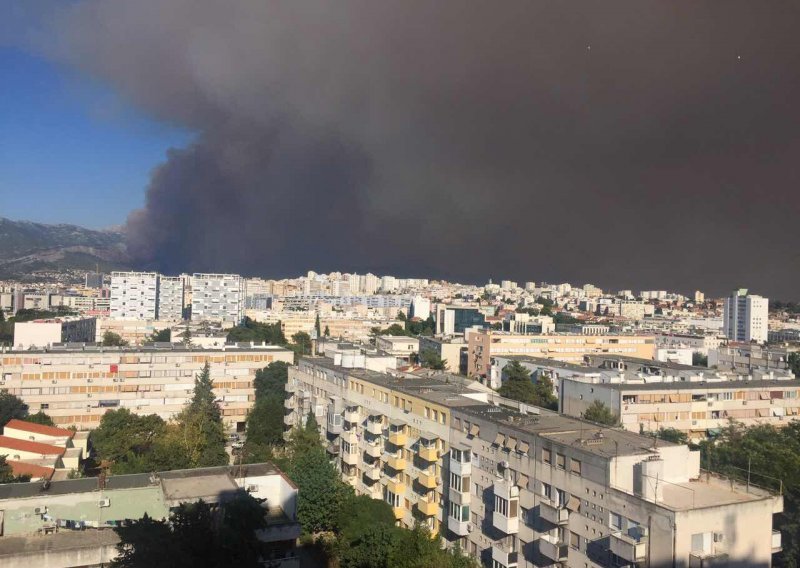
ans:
(699, 360)
(40, 418)
(303, 341)
(545, 395)
(250, 330)
(162, 336)
(671, 435)
(327, 332)
(186, 336)
(271, 380)
(317, 326)
(7, 473)
(11, 407)
(200, 425)
(126, 439)
(518, 384)
(320, 492)
(432, 360)
(793, 361)
(111, 339)
(395, 329)
(600, 413)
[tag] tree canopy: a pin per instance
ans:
(518, 385)
(250, 330)
(432, 360)
(11, 406)
(600, 413)
(111, 339)
(161, 336)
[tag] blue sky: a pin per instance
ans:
(70, 150)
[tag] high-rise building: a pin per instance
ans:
(170, 298)
(746, 317)
(134, 295)
(217, 297)
(699, 297)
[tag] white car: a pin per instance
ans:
(238, 445)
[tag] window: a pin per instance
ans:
(459, 512)
(501, 505)
(561, 461)
(547, 490)
(547, 456)
(615, 521)
(575, 466)
(575, 540)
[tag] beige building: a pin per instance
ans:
(451, 349)
(485, 344)
(45, 332)
(76, 386)
(528, 489)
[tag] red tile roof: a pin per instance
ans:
(39, 428)
(7, 443)
(35, 471)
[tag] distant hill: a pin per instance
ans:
(26, 247)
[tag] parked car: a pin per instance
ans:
(238, 445)
(233, 437)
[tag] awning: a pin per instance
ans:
(498, 440)
(763, 413)
(522, 481)
(523, 447)
(474, 430)
(763, 395)
(574, 504)
(511, 444)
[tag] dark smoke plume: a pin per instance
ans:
(631, 144)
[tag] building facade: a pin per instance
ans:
(44, 333)
(170, 298)
(134, 295)
(485, 344)
(76, 386)
(218, 297)
(532, 488)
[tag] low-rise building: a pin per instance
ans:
(76, 384)
(401, 347)
(45, 332)
(483, 345)
(45, 524)
(747, 357)
(517, 486)
(42, 451)
(451, 349)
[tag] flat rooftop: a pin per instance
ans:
(60, 348)
(755, 384)
(56, 542)
(709, 491)
(545, 362)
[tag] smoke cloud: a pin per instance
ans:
(630, 144)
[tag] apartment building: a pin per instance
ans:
(45, 525)
(170, 298)
(218, 297)
(43, 452)
(401, 347)
(76, 385)
(532, 488)
(45, 332)
(451, 320)
(485, 344)
(745, 357)
(451, 349)
(698, 343)
(134, 295)
(746, 317)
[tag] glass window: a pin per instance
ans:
(561, 461)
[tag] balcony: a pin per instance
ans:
(399, 513)
(373, 473)
(629, 548)
(351, 416)
(335, 427)
(291, 387)
(428, 480)
(375, 428)
(350, 459)
(503, 557)
(461, 469)
(461, 528)
(428, 454)
(398, 438)
(396, 486)
(373, 450)
(350, 437)
(396, 462)
(509, 525)
(333, 449)
(288, 403)
(708, 560)
(550, 547)
(458, 497)
(289, 420)
(552, 514)
(427, 507)
(777, 544)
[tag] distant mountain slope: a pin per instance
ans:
(27, 247)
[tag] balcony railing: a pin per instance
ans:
(629, 548)
(550, 547)
(777, 544)
(556, 515)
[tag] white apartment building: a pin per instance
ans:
(528, 489)
(134, 295)
(217, 297)
(75, 386)
(746, 317)
(698, 343)
(170, 298)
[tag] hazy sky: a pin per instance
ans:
(631, 144)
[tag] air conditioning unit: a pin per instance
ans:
(252, 488)
(89, 380)
(719, 537)
(40, 511)
(469, 528)
(104, 502)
